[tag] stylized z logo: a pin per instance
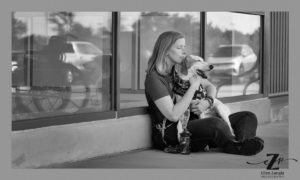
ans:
(273, 160)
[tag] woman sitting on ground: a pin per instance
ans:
(169, 50)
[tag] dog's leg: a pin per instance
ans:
(182, 122)
(179, 125)
(179, 129)
(224, 113)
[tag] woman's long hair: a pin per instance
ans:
(163, 44)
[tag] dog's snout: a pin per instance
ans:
(211, 67)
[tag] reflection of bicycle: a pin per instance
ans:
(55, 91)
(54, 85)
(21, 110)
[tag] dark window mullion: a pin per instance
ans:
(202, 34)
(115, 62)
(261, 53)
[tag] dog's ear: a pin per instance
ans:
(188, 62)
(184, 63)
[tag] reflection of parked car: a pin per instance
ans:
(51, 81)
(16, 60)
(232, 59)
(17, 68)
(80, 52)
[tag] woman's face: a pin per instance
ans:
(177, 51)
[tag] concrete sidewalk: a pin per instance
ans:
(274, 134)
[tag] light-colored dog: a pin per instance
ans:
(194, 65)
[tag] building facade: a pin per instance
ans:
(78, 77)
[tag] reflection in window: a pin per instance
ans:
(60, 63)
(226, 51)
(233, 47)
(139, 31)
(87, 48)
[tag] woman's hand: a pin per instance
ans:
(199, 106)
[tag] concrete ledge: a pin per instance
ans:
(280, 113)
(260, 107)
(59, 144)
(70, 143)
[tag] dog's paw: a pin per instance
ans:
(232, 132)
(179, 130)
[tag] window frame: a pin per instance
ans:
(116, 112)
(86, 117)
(145, 110)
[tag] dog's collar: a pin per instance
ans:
(182, 83)
(179, 90)
(179, 81)
(181, 86)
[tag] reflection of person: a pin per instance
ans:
(169, 50)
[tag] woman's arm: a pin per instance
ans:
(174, 112)
(209, 88)
(202, 105)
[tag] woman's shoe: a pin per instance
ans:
(248, 147)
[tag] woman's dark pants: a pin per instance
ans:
(211, 130)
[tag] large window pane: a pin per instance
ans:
(139, 31)
(233, 47)
(61, 63)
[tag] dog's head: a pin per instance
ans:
(193, 66)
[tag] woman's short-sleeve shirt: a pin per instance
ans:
(156, 87)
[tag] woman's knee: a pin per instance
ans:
(217, 123)
(251, 116)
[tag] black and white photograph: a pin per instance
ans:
(186, 90)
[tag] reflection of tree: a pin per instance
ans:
(33, 41)
(215, 37)
(152, 24)
(80, 31)
(255, 41)
(21, 42)
(64, 22)
(19, 28)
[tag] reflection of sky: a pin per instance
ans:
(244, 23)
(94, 20)
(40, 26)
(195, 15)
(129, 18)
(224, 20)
